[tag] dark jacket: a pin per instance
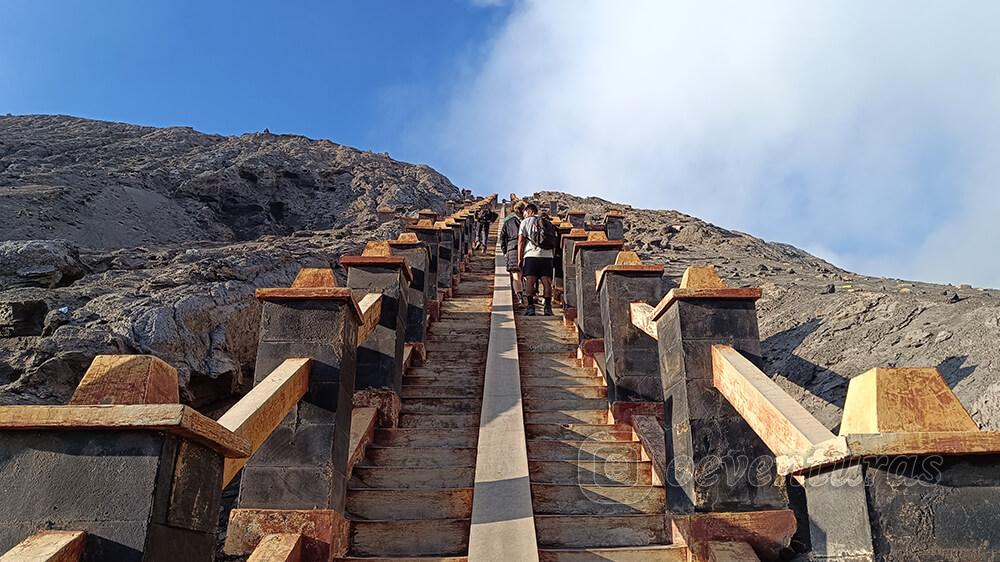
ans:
(508, 234)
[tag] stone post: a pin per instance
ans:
(303, 464)
(419, 292)
(456, 250)
(431, 236)
(446, 264)
(632, 366)
(614, 225)
(427, 215)
(590, 256)
(380, 355)
(139, 494)
(716, 463)
(568, 242)
(577, 218)
(563, 228)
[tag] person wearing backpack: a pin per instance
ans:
(536, 241)
(508, 243)
(484, 218)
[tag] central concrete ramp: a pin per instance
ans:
(411, 497)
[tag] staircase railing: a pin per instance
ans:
(126, 472)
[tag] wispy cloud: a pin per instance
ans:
(870, 129)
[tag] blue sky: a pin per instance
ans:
(354, 72)
(866, 133)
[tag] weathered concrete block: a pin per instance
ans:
(568, 242)
(380, 356)
(718, 462)
(132, 492)
(576, 217)
(445, 255)
(632, 364)
(588, 258)
(325, 330)
(431, 236)
(614, 225)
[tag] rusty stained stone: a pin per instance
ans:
(387, 402)
(314, 277)
(768, 532)
(325, 533)
(701, 277)
(624, 412)
(127, 379)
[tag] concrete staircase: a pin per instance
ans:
(411, 497)
(593, 493)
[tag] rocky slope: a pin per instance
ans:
(116, 238)
(821, 325)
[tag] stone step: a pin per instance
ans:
(534, 360)
(428, 537)
(440, 405)
(425, 457)
(568, 392)
(456, 357)
(618, 451)
(533, 404)
(403, 559)
(471, 380)
(398, 477)
(579, 432)
(392, 505)
(598, 473)
(409, 390)
(438, 420)
(558, 379)
(656, 553)
(590, 531)
(587, 499)
(421, 437)
(568, 416)
(447, 369)
(472, 346)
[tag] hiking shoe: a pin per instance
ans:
(530, 311)
(547, 311)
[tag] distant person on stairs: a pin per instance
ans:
(536, 241)
(508, 243)
(484, 218)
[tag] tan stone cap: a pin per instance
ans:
(576, 212)
(701, 282)
(176, 419)
(576, 233)
(615, 213)
(378, 261)
(424, 213)
(596, 245)
(312, 283)
(627, 262)
(423, 224)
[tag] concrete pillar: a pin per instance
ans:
(577, 218)
(715, 460)
(614, 225)
(427, 214)
(445, 257)
(568, 241)
(632, 364)
(456, 249)
(590, 256)
(431, 236)
(558, 280)
(303, 464)
(140, 495)
(380, 356)
(420, 292)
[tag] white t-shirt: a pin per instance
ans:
(530, 249)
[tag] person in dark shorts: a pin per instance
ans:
(508, 243)
(536, 262)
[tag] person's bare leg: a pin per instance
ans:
(516, 283)
(547, 287)
(529, 293)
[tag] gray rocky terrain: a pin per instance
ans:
(821, 325)
(116, 238)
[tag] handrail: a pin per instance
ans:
(47, 546)
(260, 411)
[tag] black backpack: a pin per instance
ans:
(543, 233)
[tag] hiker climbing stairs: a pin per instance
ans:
(593, 493)
(411, 496)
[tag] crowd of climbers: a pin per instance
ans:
(528, 241)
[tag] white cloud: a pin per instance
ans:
(870, 129)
